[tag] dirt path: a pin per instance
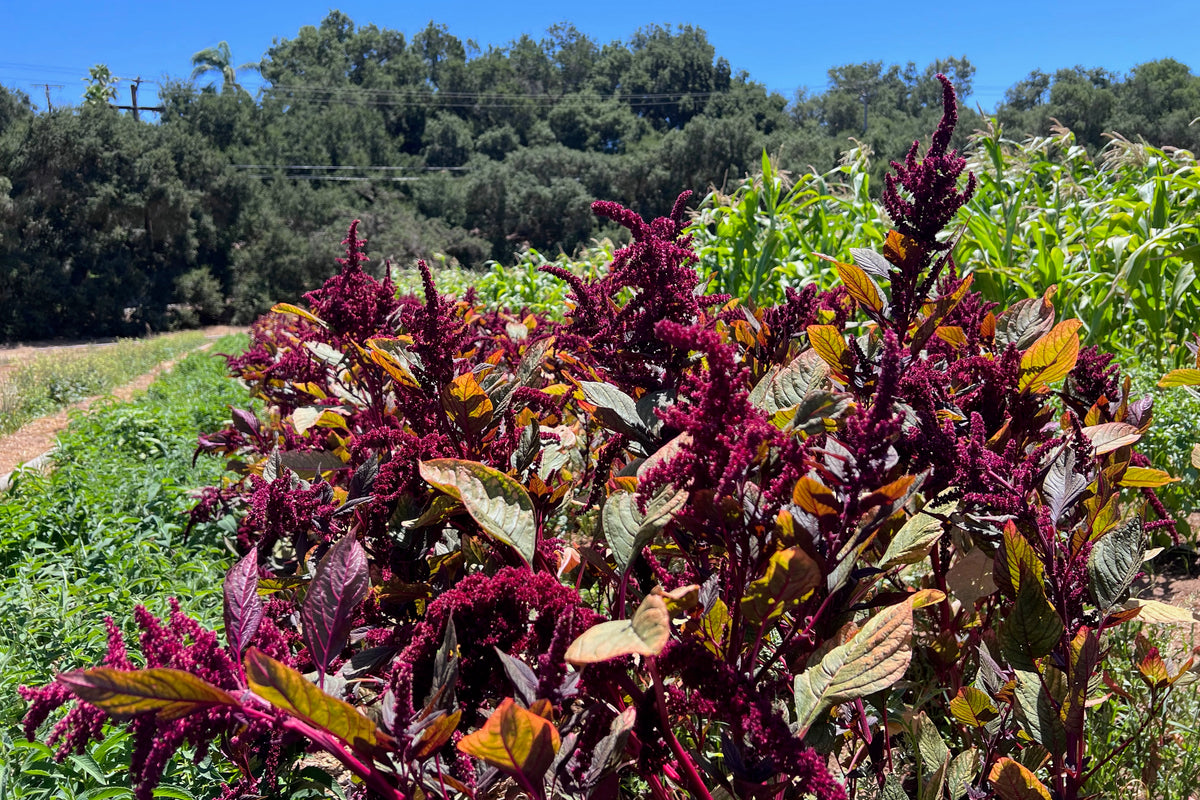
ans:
(37, 437)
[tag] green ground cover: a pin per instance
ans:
(49, 382)
(98, 535)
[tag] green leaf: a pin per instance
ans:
(287, 690)
(1180, 377)
(787, 386)
(873, 660)
(1114, 562)
(962, 772)
(791, 575)
(1037, 711)
(172, 693)
(912, 542)
(627, 530)
(288, 308)
(615, 410)
(1032, 628)
(644, 634)
(498, 503)
(514, 740)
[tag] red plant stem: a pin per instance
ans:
(657, 789)
(336, 748)
(788, 636)
(695, 782)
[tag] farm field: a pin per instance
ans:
(100, 533)
(911, 523)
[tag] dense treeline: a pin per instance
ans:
(111, 225)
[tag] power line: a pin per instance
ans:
(332, 167)
(353, 178)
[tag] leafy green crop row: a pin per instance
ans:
(56, 379)
(98, 535)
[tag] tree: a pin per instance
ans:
(102, 86)
(218, 59)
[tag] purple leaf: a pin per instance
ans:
(245, 421)
(339, 584)
(243, 606)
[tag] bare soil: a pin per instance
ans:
(37, 436)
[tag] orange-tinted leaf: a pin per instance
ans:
(288, 308)
(859, 284)
(645, 634)
(936, 311)
(952, 335)
(172, 693)
(1012, 781)
(815, 498)
(1154, 670)
(903, 252)
(287, 690)
(1111, 436)
(829, 343)
(395, 361)
(1051, 357)
(1146, 478)
(1180, 377)
(973, 707)
(467, 404)
(791, 575)
(987, 328)
(514, 740)
(434, 737)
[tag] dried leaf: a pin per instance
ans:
(1111, 436)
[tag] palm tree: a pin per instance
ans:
(219, 59)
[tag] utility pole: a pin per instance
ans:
(133, 106)
(48, 87)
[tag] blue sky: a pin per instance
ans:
(782, 45)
